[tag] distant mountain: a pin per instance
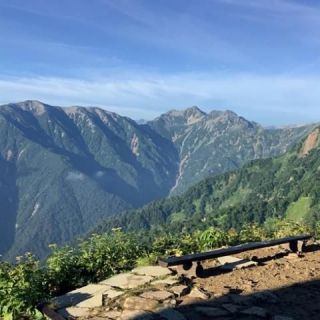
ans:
(284, 186)
(214, 143)
(64, 169)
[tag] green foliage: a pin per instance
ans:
(212, 238)
(22, 287)
(286, 228)
(25, 284)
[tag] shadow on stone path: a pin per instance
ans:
(300, 301)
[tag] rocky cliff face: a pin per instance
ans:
(213, 143)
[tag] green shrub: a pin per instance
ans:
(252, 232)
(286, 228)
(212, 238)
(22, 287)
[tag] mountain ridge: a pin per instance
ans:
(64, 169)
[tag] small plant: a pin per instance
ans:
(22, 287)
(212, 238)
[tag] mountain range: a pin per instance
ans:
(287, 186)
(62, 170)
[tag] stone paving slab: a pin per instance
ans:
(153, 271)
(127, 281)
(79, 295)
(166, 282)
(231, 263)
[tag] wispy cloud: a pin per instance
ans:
(276, 99)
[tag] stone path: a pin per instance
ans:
(157, 293)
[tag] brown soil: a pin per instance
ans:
(293, 281)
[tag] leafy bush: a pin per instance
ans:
(252, 232)
(22, 287)
(212, 238)
(286, 228)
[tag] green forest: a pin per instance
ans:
(284, 186)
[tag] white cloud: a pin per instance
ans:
(270, 99)
(75, 176)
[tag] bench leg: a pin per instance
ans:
(191, 269)
(297, 246)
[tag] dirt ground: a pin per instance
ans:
(287, 284)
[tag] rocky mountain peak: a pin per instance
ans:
(34, 106)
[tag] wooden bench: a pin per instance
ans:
(192, 262)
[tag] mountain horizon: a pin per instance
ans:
(64, 169)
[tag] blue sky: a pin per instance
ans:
(140, 58)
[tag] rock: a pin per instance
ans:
(159, 295)
(212, 311)
(110, 295)
(94, 302)
(139, 303)
(77, 296)
(231, 263)
(171, 314)
(187, 300)
(127, 281)
(153, 271)
(292, 256)
(111, 314)
(266, 296)
(135, 315)
(180, 291)
(199, 293)
(239, 299)
(232, 308)
(166, 282)
(74, 312)
(255, 311)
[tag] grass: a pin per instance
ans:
(298, 210)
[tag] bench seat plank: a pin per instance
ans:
(174, 261)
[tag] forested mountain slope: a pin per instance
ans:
(64, 169)
(61, 170)
(288, 185)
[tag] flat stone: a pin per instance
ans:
(111, 314)
(171, 314)
(232, 263)
(166, 282)
(135, 314)
(231, 307)
(180, 291)
(278, 317)
(199, 293)
(74, 312)
(153, 271)
(159, 295)
(240, 299)
(94, 302)
(110, 295)
(77, 296)
(255, 311)
(139, 303)
(267, 297)
(212, 312)
(127, 281)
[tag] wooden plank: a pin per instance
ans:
(173, 261)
